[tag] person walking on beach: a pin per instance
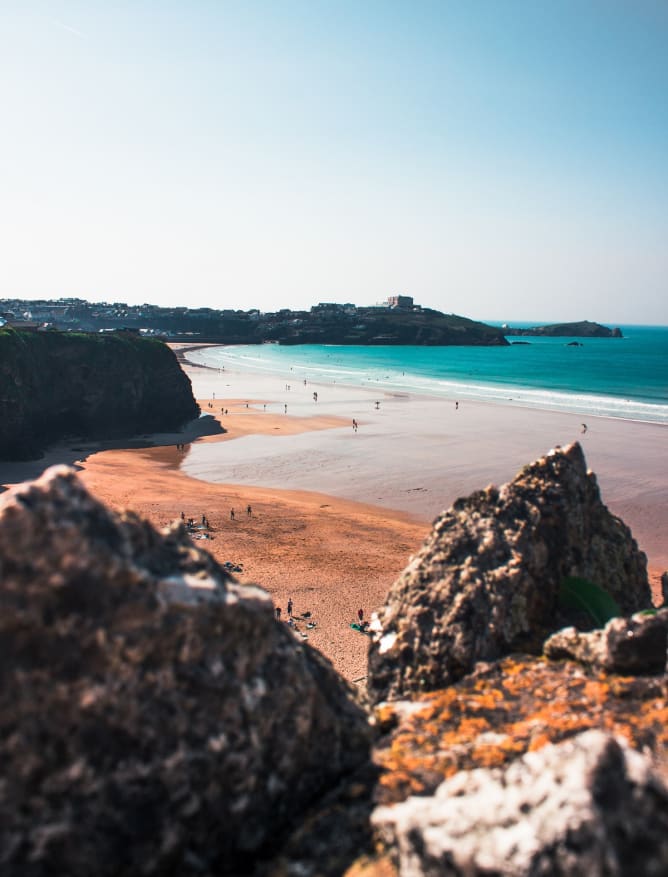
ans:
(456, 406)
(231, 514)
(278, 613)
(286, 407)
(584, 428)
(360, 616)
(290, 607)
(354, 425)
(249, 510)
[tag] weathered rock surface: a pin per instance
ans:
(625, 645)
(486, 581)
(588, 807)
(139, 734)
(503, 710)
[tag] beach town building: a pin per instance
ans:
(402, 302)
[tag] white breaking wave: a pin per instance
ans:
(585, 404)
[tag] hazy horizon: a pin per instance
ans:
(505, 162)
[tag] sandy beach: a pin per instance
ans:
(335, 513)
(417, 454)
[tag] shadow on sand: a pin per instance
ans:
(76, 450)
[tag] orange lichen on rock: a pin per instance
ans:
(503, 710)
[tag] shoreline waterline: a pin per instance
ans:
(607, 378)
(417, 454)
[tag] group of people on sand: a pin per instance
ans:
(206, 524)
(278, 611)
(190, 522)
(249, 512)
(292, 620)
(362, 624)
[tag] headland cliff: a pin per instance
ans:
(56, 385)
(399, 321)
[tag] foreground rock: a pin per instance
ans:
(486, 582)
(506, 709)
(138, 735)
(625, 645)
(587, 807)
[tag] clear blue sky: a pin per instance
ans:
(501, 160)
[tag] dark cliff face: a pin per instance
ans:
(55, 385)
(382, 326)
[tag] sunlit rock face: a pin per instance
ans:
(588, 806)
(487, 579)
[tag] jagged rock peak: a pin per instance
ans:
(588, 806)
(487, 579)
(139, 734)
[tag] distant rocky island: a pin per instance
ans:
(55, 385)
(398, 321)
(582, 329)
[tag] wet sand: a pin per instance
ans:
(417, 454)
(330, 556)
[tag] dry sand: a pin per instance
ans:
(337, 513)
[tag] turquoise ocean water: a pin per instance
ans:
(612, 377)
